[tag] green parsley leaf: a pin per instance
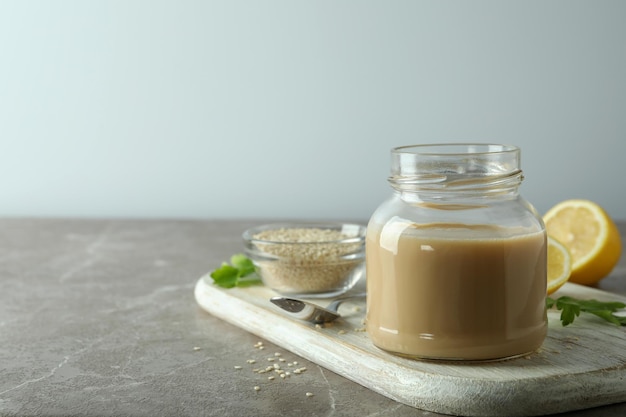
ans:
(225, 276)
(239, 273)
(571, 308)
(245, 265)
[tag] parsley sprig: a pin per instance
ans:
(571, 308)
(239, 273)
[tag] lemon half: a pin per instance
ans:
(559, 265)
(589, 234)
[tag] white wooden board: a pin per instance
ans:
(579, 366)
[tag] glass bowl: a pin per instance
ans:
(307, 259)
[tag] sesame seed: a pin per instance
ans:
(197, 348)
(309, 394)
(257, 388)
(238, 367)
(277, 354)
(251, 361)
(271, 378)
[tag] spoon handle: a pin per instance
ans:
(334, 305)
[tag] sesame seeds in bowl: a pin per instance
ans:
(307, 259)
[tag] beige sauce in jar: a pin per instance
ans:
(448, 291)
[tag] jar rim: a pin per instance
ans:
(460, 148)
(472, 167)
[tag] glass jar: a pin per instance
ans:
(456, 259)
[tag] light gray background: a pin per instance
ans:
(289, 108)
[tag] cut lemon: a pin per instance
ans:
(559, 265)
(589, 234)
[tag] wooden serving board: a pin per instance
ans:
(579, 366)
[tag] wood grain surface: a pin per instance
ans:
(579, 366)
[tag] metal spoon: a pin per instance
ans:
(305, 310)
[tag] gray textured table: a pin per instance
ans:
(98, 318)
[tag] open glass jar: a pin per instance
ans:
(456, 258)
